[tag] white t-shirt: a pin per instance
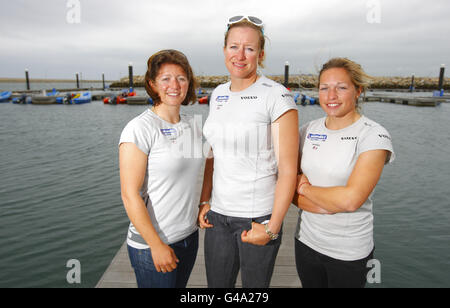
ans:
(238, 129)
(170, 189)
(328, 159)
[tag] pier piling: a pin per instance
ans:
(27, 79)
(78, 80)
(286, 74)
(130, 75)
(411, 87)
(441, 79)
(103, 80)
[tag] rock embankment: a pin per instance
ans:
(309, 81)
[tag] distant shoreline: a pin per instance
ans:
(295, 81)
(309, 82)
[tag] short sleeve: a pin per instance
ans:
(377, 138)
(279, 102)
(302, 136)
(136, 132)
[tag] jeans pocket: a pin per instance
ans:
(211, 217)
(141, 259)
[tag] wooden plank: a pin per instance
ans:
(411, 101)
(120, 274)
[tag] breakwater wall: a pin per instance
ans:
(309, 81)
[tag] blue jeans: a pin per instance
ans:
(226, 254)
(148, 277)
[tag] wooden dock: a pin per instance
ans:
(120, 274)
(411, 101)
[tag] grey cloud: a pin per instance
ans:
(36, 35)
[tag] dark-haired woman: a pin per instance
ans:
(158, 177)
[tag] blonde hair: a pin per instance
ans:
(359, 78)
(262, 38)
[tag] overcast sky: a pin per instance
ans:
(388, 37)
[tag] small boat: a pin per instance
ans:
(115, 100)
(121, 98)
(139, 100)
(201, 91)
(60, 98)
(204, 100)
(22, 99)
(300, 99)
(43, 100)
(5, 96)
(83, 98)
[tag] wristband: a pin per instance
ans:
(203, 203)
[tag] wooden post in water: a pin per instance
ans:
(27, 79)
(78, 81)
(130, 75)
(103, 80)
(441, 79)
(286, 74)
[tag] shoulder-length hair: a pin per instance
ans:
(170, 56)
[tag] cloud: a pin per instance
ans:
(37, 35)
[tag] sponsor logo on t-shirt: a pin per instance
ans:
(349, 138)
(249, 97)
(317, 137)
(384, 136)
(168, 131)
(222, 99)
(287, 95)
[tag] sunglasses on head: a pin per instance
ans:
(254, 20)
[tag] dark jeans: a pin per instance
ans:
(225, 254)
(148, 277)
(316, 270)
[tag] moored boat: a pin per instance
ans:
(138, 100)
(5, 96)
(43, 100)
(204, 100)
(21, 99)
(82, 98)
(302, 99)
(120, 98)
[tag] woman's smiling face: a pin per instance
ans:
(242, 52)
(337, 93)
(171, 84)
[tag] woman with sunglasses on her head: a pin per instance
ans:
(250, 178)
(158, 178)
(341, 159)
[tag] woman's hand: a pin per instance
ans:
(301, 180)
(256, 236)
(164, 258)
(202, 221)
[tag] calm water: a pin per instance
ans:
(60, 194)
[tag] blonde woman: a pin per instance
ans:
(342, 157)
(248, 185)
